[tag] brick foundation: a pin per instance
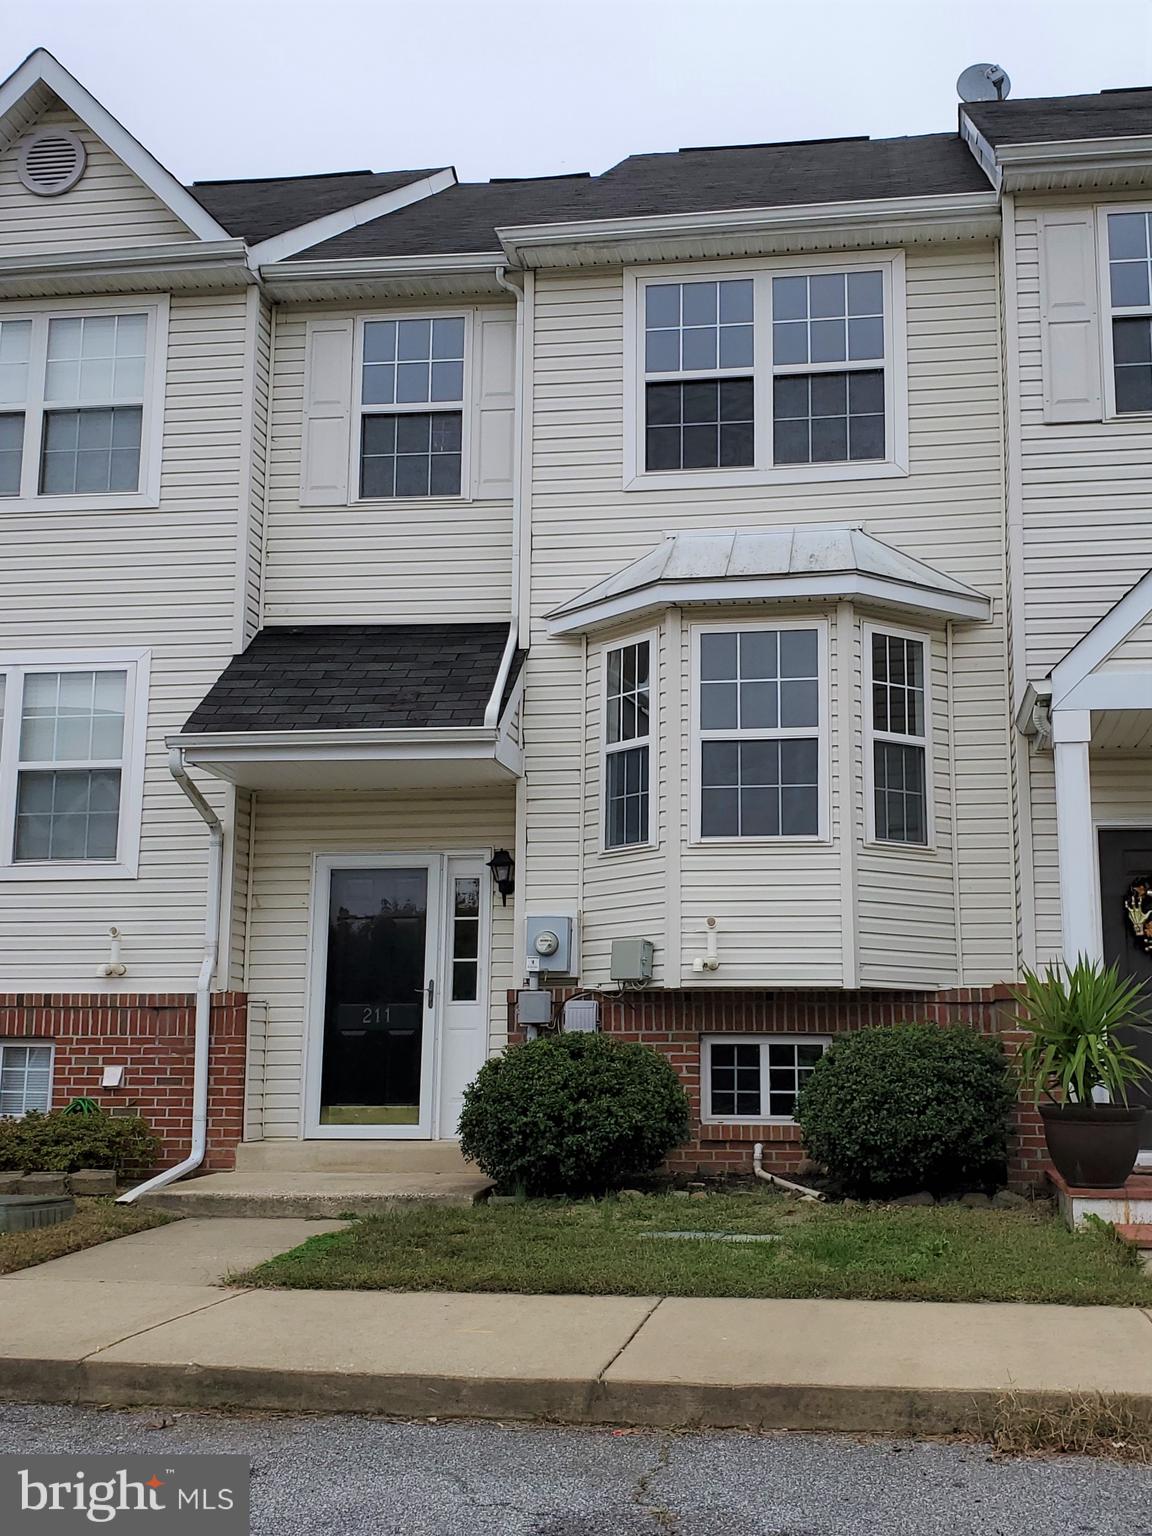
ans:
(152, 1037)
(673, 1023)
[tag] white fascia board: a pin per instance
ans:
(225, 260)
(288, 744)
(1031, 167)
(830, 588)
(361, 267)
(1129, 688)
(982, 151)
(303, 236)
(1100, 641)
(804, 217)
(41, 68)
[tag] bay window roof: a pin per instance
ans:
(786, 564)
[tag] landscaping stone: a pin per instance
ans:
(630, 1194)
(922, 1197)
(10, 1183)
(806, 1169)
(44, 1184)
(93, 1181)
(975, 1201)
(1009, 1200)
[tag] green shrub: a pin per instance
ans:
(572, 1114)
(60, 1142)
(909, 1107)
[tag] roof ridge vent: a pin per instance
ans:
(51, 161)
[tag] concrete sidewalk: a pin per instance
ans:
(140, 1321)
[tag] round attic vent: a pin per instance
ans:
(51, 161)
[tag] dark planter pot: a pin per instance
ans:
(1094, 1146)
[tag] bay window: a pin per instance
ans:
(897, 746)
(627, 714)
(70, 764)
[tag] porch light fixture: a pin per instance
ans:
(503, 868)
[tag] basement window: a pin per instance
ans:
(755, 1077)
(25, 1078)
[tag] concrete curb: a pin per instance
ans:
(844, 1409)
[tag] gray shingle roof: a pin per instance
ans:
(257, 210)
(1043, 120)
(356, 677)
(465, 218)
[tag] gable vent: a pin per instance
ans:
(51, 161)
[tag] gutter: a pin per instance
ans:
(179, 772)
(225, 260)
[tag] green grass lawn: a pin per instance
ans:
(95, 1221)
(945, 1253)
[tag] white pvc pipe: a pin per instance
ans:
(774, 1178)
(196, 1151)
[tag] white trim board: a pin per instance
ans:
(40, 68)
(303, 236)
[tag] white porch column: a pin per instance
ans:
(1079, 876)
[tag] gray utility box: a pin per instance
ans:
(534, 1007)
(631, 960)
(20, 1212)
(549, 945)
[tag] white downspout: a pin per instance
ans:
(517, 474)
(179, 772)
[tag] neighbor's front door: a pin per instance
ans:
(1126, 858)
(377, 925)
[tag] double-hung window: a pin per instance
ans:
(898, 717)
(75, 404)
(756, 1077)
(759, 710)
(627, 744)
(412, 400)
(1130, 293)
(25, 1078)
(70, 765)
(780, 372)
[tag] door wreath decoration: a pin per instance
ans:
(1138, 908)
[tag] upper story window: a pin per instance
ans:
(412, 407)
(627, 744)
(71, 749)
(760, 745)
(1130, 290)
(782, 373)
(77, 406)
(898, 722)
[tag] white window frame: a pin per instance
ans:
(40, 1045)
(14, 665)
(763, 472)
(763, 1041)
(821, 732)
(651, 741)
(40, 312)
(1106, 311)
(872, 735)
(419, 408)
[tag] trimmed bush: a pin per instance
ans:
(572, 1114)
(59, 1142)
(908, 1107)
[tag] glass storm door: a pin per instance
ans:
(1126, 860)
(379, 998)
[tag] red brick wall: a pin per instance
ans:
(151, 1036)
(673, 1023)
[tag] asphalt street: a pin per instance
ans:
(370, 1477)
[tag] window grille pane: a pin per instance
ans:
(827, 318)
(25, 1078)
(698, 327)
(735, 1079)
(1132, 360)
(414, 454)
(68, 814)
(828, 417)
(91, 452)
(11, 452)
(759, 680)
(898, 685)
(627, 693)
(700, 425)
(465, 938)
(759, 788)
(626, 798)
(96, 360)
(901, 802)
(73, 717)
(413, 362)
(15, 344)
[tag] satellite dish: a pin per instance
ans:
(983, 82)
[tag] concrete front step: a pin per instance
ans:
(315, 1194)
(366, 1155)
(1128, 1205)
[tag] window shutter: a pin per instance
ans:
(494, 414)
(1069, 318)
(325, 447)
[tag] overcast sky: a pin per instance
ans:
(219, 88)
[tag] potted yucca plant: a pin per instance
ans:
(1071, 1015)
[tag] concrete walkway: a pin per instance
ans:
(142, 1320)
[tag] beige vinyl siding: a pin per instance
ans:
(260, 362)
(390, 562)
(161, 578)
(238, 852)
(1135, 651)
(947, 511)
(109, 207)
(290, 830)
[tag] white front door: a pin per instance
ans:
(398, 1001)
